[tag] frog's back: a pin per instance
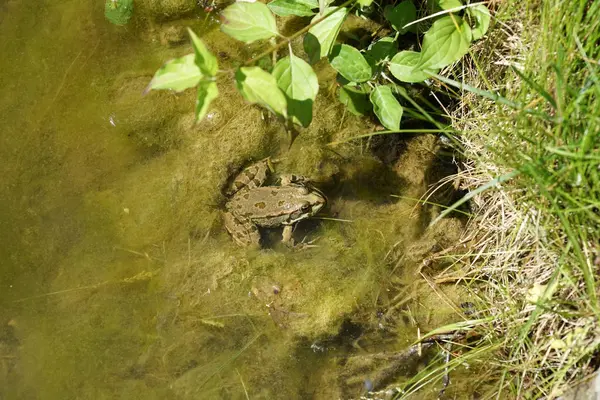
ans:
(266, 201)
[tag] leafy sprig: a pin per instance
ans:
(290, 89)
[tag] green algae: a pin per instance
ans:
(118, 279)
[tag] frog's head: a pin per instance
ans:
(309, 202)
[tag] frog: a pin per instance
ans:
(251, 205)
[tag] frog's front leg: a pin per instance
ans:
(251, 177)
(288, 240)
(286, 236)
(241, 229)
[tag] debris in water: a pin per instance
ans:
(316, 348)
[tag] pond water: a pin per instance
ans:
(117, 278)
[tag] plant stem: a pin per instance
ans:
(295, 35)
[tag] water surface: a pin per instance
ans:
(117, 278)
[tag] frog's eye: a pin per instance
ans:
(305, 206)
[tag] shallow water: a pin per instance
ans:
(117, 278)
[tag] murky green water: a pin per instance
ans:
(117, 278)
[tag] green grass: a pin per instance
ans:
(536, 259)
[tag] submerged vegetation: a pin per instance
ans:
(118, 12)
(123, 274)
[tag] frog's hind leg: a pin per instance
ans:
(251, 177)
(289, 179)
(242, 230)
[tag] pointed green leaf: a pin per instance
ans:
(207, 92)
(309, 3)
(320, 38)
(177, 74)
(449, 4)
(400, 15)
(386, 107)
(248, 22)
(403, 67)
(285, 8)
(445, 42)
(481, 14)
(364, 3)
(258, 86)
(350, 63)
(381, 51)
(204, 58)
(296, 78)
(356, 100)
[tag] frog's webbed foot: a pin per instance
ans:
(288, 240)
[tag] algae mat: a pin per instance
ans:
(118, 280)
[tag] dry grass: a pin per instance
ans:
(534, 259)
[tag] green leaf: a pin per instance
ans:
(285, 8)
(205, 60)
(118, 11)
(386, 107)
(258, 86)
(207, 92)
(320, 38)
(481, 14)
(449, 4)
(364, 3)
(323, 5)
(445, 42)
(381, 51)
(248, 22)
(296, 78)
(403, 67)
(309, 3)
(178, 74)
(350, 63)
(343, 81)
(356, 100)
(404, 13)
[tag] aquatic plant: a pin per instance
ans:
(118, 11)
(290, 88)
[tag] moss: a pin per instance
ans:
(165, 9)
